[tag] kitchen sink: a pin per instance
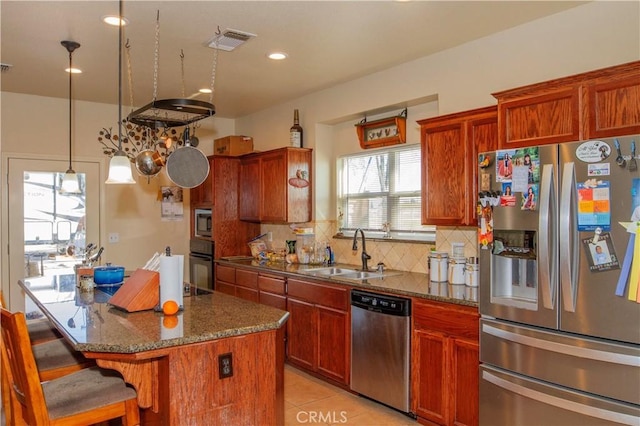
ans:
(329, 271)
(347, 273)
(363, 275)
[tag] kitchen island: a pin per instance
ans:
(219, 361)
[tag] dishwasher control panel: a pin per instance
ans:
(389, 305)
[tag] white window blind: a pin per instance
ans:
(383, 187)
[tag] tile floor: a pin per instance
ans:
(311, 401)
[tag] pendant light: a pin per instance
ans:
(70, 180)
(120, 166)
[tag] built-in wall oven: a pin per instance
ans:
(201, 270)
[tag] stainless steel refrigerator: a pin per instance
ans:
(560, 326)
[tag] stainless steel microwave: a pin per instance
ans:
(202, 224)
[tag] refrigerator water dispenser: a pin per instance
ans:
(514, 269)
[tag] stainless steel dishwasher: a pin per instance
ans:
(380, 348)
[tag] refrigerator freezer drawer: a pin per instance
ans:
(595, 366)
(507, 399)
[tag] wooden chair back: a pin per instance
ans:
(25, 380)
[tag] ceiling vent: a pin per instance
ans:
(229, 39)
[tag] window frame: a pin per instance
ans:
(424, 233)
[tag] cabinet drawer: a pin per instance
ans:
(319, 294)
(271, 284)
(247, 279)
(277, 301)
(455, 320)
(226, 274)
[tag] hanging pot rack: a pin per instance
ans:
(166, 113)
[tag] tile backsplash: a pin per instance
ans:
(402, 256)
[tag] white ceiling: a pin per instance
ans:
(328, 42)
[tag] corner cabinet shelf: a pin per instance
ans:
(450, 146)
(275, 186)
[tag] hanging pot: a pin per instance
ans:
(149, 162)
(187, 167)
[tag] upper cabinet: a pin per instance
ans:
(202, 195)
(275, 186)
(450, 147)
(597, 104)
(219, 192)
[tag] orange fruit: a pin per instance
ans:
(170, 321)
(170, 307)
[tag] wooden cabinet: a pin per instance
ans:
(319, 328)
(202, 195)
(450, 147)
(219, 192)
(241, 283)
(247, 285)
(445, 363)
(225, 279)
(596, 104)
(272, 291)
(275, 186)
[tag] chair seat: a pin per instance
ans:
(84, 391)
(57, 354)
(41, 330)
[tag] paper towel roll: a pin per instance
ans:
(171, 273)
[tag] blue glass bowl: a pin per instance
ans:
(108, 274)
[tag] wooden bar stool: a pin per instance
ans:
(89, 396)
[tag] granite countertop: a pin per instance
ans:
(396, 282)
(93, 325)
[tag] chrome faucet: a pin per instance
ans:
(364, 256)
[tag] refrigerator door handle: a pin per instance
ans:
(599, 413)
(562, 348)
(568, 239)
(547, 246)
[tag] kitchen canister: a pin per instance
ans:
(472, 272)
(438, 264)
(457, 267)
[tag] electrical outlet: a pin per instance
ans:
(225, 365)
(114, 237)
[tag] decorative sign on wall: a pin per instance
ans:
(383, 132)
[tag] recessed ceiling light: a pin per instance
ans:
(73, 70)
(114, 20)
(205, 90)
(277, 56)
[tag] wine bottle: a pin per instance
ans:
(295, 133)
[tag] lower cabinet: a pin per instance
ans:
(319, 328)
(445, 364)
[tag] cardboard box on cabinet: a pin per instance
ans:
(233, 145)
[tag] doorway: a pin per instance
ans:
(47, 230)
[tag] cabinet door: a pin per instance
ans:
(202, 195)
(226, 288)
(482, 135)
(444, 174)
(464, 377)
(302, 331)
(249, 188)
(431, 390)
(273, 181)
(547, 118)
(333, 344)
(614, 108)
